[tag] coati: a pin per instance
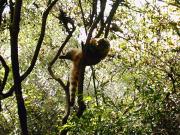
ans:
(91, 54)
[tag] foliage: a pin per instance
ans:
(135, 90)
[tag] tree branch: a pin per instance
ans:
(110, 17)
(83, 17)
(107, 24)
(14, 34)
(40, 40)
(56, 57)
(94, 11)
(13, 88)
(96, 21)
(65, 87)
(81, 103)
(3, 83)
(6, 68)
(102, 23)
(94, 84)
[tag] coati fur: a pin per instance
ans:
(91, 54)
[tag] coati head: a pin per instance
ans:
(95, 51)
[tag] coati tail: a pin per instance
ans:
(92, 53)
(74, 76)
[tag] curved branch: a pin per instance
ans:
(56, 57)
(65, 87)
(8, 94)
(12, 89)
(40, 40)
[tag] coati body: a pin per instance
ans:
(91, 54)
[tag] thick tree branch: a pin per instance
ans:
(102, 24)
(40, 40)
(14, 34)
(111, 15)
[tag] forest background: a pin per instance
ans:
(134, 91)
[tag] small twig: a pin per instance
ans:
(65, 21)
(94, 83)
(127, 39)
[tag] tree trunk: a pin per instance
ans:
(14, 32)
